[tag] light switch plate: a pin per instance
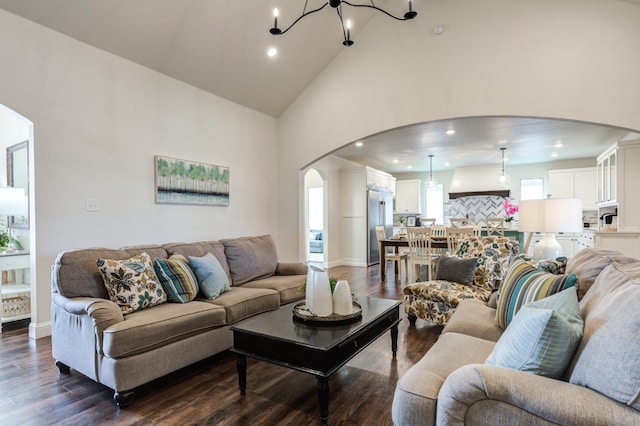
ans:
(92, 205)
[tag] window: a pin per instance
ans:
(531, 189)
(435, 204)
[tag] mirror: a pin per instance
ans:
(18, 176)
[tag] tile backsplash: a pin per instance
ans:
(477, 208)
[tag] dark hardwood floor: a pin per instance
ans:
(33, 392)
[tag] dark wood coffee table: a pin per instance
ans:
(278, 338)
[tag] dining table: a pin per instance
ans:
(397, 242)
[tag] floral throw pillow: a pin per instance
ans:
(132, 284)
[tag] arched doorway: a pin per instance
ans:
(315, 218)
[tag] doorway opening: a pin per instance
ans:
(315, 241)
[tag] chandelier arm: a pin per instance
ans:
(302, 16)
(372, 6)
(339, 12)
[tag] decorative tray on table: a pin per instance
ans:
(302, 313)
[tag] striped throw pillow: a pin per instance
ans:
(524, 283)
(177, 278)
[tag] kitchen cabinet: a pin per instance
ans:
(14, 294)
(380, 179)
(575, 183)
(618, 176)
(626, 242)
(408, 196)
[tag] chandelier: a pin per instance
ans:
(504, 179)
(346, 26)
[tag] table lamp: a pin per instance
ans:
(12, 203)
(549, 216)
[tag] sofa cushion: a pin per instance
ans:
(241, 302)
(415, 398)
(177, 278)
(524, 283)
(608, 358)
(474, 318)
(251, 258)
(459, 270)
(132, 283)
(152, 250)
(286, 285)
(212, 279)
(161, 325)
(588, 263)
(542, 337)
(200, 249)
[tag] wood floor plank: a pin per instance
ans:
(33, 392)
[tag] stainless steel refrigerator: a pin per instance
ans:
(379, 212)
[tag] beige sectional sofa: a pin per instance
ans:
(452, 384)
(91, 334)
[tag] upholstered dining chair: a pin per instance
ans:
(454, 235)
(389, 255)
(420, 251)
(495, 226)
(457, 222)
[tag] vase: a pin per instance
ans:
(318, 292)
(342, 302)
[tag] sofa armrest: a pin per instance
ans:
(291, 268)
(486, 394)
(104, 313)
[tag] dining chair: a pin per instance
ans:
(390, 255)
(428, 221)
(477, 231)
(420, 251)
(457, 222)
(495, 226)
(454, 235)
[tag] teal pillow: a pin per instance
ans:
(212, 279)
(542, 336)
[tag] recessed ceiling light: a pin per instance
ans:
(272, 52)
(554, 154)
(558, 144)
(395, 161)
(451, 132)
(359, 144)
(447, 164)
(409, 167)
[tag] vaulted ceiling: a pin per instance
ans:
(221, 46)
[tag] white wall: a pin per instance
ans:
(562, 59)
(98, 122)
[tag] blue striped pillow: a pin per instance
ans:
(177, 278)
(542, 337)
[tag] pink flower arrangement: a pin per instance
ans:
(510, 210)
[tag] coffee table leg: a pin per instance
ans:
(323, 398)
(242, 373)
(394, 339)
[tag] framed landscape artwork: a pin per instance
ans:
(189, 182)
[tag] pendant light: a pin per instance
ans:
(432, 184)
(504, 180)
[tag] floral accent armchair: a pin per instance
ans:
(436, 300)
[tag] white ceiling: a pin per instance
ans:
(220, 46)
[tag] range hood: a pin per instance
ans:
(477, 180)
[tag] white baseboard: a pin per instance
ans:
(352, 262)
(38, 331)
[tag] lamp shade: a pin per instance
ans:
(12, 201)
(550, 215)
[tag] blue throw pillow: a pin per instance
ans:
(212, 279)
(542, 336)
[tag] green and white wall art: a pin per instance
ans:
(189, 182)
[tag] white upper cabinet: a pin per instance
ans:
(380, 179)
(575, 183)
(408, 196)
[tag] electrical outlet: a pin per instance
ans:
(92, 205)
